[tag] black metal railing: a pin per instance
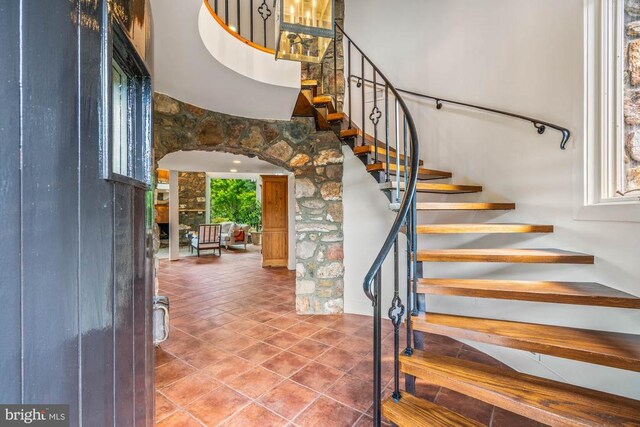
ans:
(540, 125)
(253, 20)
(399, 172)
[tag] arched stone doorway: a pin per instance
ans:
(316, 160)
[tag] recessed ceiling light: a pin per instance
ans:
(237, 162)
(233, 170)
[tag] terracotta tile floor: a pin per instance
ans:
(238, 354)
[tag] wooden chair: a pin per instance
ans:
(209, 237)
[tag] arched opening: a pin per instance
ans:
(314, 158)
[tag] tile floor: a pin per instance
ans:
(238, 354)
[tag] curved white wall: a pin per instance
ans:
(243, 59)
(524, 56)
(239, 80)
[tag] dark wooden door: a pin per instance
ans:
(75, 272)
(275, 236)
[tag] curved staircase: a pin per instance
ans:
(390, 153)
(546, 401)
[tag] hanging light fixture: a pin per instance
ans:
(305, 29)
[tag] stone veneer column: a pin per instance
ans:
(317, 162)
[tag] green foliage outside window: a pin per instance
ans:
(235, 200)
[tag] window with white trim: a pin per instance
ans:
(613, 74)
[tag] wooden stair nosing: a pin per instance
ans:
(546, 401)
(422, 172)
(473, 206)
(308, 83)
(411, 411)
(424, 187)
(525, 256)
(363, 150)
(613, 349)
(348, 133)
(322, 99)
(483, 228)
(577, 293)
(450, 206)
(334, 117)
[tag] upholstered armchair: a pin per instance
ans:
(235, 234)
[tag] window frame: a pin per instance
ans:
(601, 166)
(118, 48)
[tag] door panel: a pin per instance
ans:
(72, 241)
(10, 350)
(50, 218)
(96, 248)
(275, 219)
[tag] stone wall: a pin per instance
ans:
(632, 94)
(192, 195)
(314, 157)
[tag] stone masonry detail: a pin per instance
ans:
(632, 95)
(316, 160)
(193, 203)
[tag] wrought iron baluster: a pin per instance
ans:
(251, 20)
(414, 244)
(215, 7)
(335, 71)
(386, 118)
(226, 12)
(375, 117)
(406, 157)
(265, 13)
(349, 80)
(396, 312)
(363, 96)
(377, 349)
(410, 248)
(238, 17)
(406, 171)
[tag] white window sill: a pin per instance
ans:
(627, 211)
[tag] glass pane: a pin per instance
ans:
(311, 13)
(120, 128)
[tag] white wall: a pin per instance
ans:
(239, 80)
(522, 56)
(367, 221)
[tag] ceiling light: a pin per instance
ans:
(233, 170)
(237, 162)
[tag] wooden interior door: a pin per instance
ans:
(275, 215)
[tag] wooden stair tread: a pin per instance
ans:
(335, 117)
(532, 256)
(546, 401)
(412, 411)
(430, 206)
(362, 150)
(424, 187)
(579, 293)
(348, 133)
(482, 228)
(309, 83)
(612, 349)
(422, 172)
(322, 99)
